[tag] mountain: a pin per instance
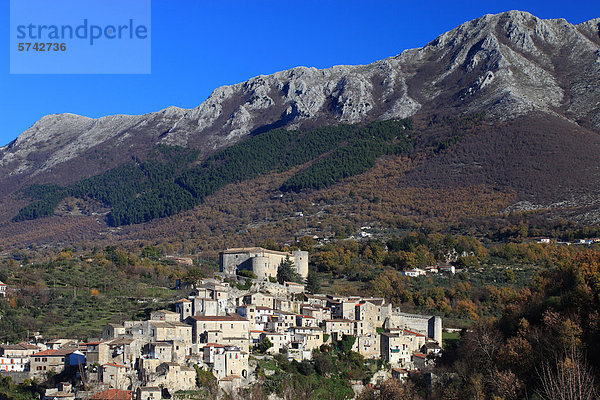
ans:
(538, 82)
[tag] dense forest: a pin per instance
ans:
(170, 181)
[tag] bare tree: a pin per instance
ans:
(570, 378)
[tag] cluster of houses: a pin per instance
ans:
(444, 268)
(216, 328)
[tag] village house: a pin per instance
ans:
(60, 343)
(50, 360)
(208, 306)
(62, 391)
(337, 328)
(316, 300)
(148, 393)
(162, 351)
(400, 374)
(220, 329)
(316, 311)
(114, 376)
(306, 320)
(294, 288)
(164, 315)
(113, 394)
(286, 305)
(173, 376)
(112, 331)
(281, 321)
(184, 307)
(306, 341)
(121, 350)
(415, 272)
(226, 361)
(447, 268)
(3, 289)
(16, 357)
(258, 299)
(368, 345)
(279, 340)
(343, 309)
(395, 349)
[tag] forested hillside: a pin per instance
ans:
(170, 181)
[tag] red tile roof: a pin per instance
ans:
(114, 365)
(113, 394)
(54, 353)
(413, 333)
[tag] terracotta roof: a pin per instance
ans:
(54, 353)
(113, 394)
(28, 346)
(18, 347)
(114, 365)
(226, 318)
(183, 301)
(413, 333)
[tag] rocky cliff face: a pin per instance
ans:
(508, 64)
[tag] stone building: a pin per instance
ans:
(264, 263)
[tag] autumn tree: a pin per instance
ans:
(570, 378)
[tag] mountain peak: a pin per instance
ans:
(506, 64)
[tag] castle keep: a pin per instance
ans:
(264, 263)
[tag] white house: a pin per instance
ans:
(414, 272)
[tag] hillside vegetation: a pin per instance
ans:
(169, 182)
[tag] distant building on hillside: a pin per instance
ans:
(3, 289)
(264, 263)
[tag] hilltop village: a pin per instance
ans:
(221, 329)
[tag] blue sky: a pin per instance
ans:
(198, 45)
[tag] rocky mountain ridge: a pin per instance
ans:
(508, 65)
